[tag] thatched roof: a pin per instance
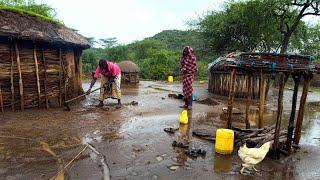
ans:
(128, 66)
(270, 61)
(27, 27)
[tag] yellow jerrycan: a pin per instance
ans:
(170, 79)
(184, 117)
(224, 141)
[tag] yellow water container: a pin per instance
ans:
(170, 79)
(224, 141)
(184, 117)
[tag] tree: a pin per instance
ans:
(90, 60)
(242, 25)
(108, 42)
(143, 49)
(118, 53)
(291, 12)
(91, 41)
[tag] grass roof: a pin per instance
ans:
(30, 13)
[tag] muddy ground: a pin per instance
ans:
(129, 143)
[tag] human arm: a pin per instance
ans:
(95, 76)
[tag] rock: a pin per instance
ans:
(134, 103)
(234, 110)
(159, 158)
(173, 167)
(154, 177)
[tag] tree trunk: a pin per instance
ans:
(290, 30)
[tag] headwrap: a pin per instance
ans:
(188, 61)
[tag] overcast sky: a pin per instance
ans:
(129, 20)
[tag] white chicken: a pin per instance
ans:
(252, 156)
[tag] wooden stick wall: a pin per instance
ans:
(33, 74)
(220, 82)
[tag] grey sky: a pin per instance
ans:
(129, 20)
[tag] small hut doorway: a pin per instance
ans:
(129, 72)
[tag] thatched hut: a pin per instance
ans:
(219, 77)
(129, 72)
(40, 61)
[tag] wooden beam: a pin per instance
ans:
(248, 103)
(231, 96)
(296, 79)
(11, 76)
(263, 78)
(1, 100)
(45, 78)
(283, 78)
(37, 73)
(306, 84)
(20, 76)
(60, 77)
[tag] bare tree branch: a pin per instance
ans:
(295, 3)
(315, 14)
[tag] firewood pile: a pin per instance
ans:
(253, 137)
(257, 137)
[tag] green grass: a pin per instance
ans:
(29, 13)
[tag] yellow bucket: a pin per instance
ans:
(184, 117)
(170, 79)
(224, 141)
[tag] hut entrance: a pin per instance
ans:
(129, 72)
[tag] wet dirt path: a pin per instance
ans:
(130, 143)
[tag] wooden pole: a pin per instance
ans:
(1, 100)
(297, 133)
(60, 77)
(20, 76)
(279, 116)
(45, 78)
(262, 97)
(12, 81)
(296, 79)
(37, 73)
(249, 92)
(231, 97)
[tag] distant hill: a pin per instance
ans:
(176, 40)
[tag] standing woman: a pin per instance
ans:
(188, 70)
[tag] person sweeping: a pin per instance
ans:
(110, 74)
(188, 70)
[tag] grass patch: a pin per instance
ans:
(30, 13)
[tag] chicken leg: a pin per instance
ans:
(241, 171)
(255, 169)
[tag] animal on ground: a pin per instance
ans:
(253, 156)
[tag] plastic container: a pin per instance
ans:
(224, 141)
(170, 79)
(184, 117)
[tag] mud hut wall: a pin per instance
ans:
(219, 83)
(48, 58)
(73, 68)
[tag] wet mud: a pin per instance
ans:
(130, 143)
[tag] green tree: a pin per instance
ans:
(108, 42)
(242, 25)
(117, 53)
(90, 60)
(291, 13)
(143, 49)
